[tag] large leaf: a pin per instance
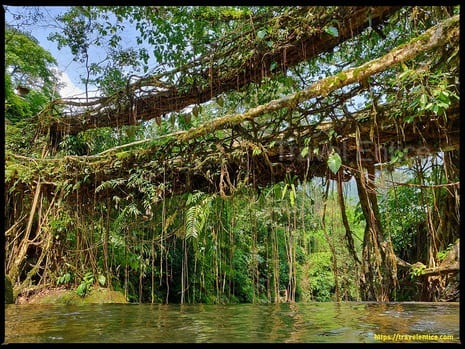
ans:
(332, 31)
(102, 279)
(261, 34)
(292, 195)
(284, 191)
(334, 162)
(304, 152)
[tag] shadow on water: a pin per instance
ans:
(351, 322)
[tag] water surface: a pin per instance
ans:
(349, 322)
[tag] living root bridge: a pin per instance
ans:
(111, 111)
(192, 160)
(275, 157)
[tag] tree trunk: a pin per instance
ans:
(379, 265)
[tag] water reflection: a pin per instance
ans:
(295, 323)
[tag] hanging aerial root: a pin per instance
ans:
(349, 238)
(14, 270)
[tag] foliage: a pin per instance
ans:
(86, 284)
(417, 270)
(19, 137)
(321, 277)
(38, 77)
(402, 216)
(334, 162)
(36, 73)
(64, 279)
(442, 254)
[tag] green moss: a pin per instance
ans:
(342, 76)
(97, 295)
(104, 295)
(356, 72)
(123, 154)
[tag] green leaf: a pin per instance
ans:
(273, 66)
(88, 278)
(332, 31)
(334, 162)
(261, 34)
(284, 191)
(102, 279)
(423, 101)
(292, 197)
(332, 134)
(81, 290)
(304, 152)
(404, 75)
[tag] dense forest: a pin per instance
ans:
(237, 154)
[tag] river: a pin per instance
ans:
(351, 322)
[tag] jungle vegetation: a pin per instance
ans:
(238, 154)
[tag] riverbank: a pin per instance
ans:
(97, 295)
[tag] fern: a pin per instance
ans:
(194, 197)
(191, 222)
(131, 209)
(112, 183)
(197, 215)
